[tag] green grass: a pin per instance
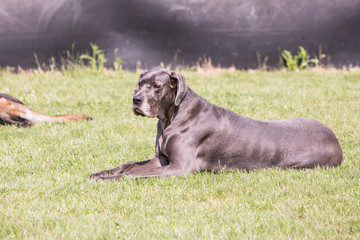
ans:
(45, 192)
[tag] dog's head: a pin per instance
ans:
(156, 91)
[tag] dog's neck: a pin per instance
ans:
(178, 114)
(166, 116)
(168, 112)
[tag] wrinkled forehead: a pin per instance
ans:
(154, 75)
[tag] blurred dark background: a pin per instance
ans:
(230, 32)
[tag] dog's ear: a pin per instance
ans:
(180, 82)
(143, 73)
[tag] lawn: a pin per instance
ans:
(45, 192)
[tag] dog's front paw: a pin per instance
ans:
(95, 179)
(98, 175)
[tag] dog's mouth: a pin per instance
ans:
(138, 112)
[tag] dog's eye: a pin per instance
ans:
(156, 86)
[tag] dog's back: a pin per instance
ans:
(13, 111)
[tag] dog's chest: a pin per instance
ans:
(162, 145)
(167, 143)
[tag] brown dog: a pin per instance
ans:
(13, 111)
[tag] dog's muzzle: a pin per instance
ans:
(137, 100)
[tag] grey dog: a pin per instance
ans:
(195, 135)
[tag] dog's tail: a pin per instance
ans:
(37, 117)
(61, 118)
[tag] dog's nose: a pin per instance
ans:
(137, 99)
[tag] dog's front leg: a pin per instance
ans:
(138, 171)
(117, 171)
(149, 168)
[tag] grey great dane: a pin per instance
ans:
(195, 135)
